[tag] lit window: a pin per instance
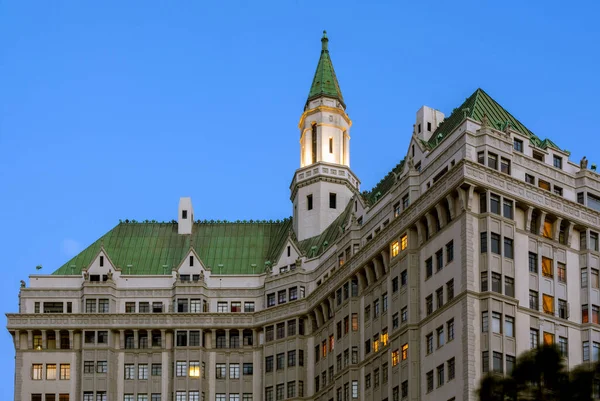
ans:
(395, 248)
(36, 371)
(405, 352)
(547, 267)
(404, 242)
(395, 357)
(65, 371)
(51, 371)
(548, 303)
(548, 338)
(194, 370)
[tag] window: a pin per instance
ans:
(495, 243)
(595, 278)
(450, 328)
(439, 260)
(450, 289)
(439, 295)
(483, 240)
(440, 375)
(395, 248)
(404, 389)
(430, 381)
(494, 204)
(484, 321)
(562, 309)
(130, 307)
(547, 269)
(497, 282)
(595, 314)
(309, 202)
(355, 322)
(51, 371)
(484, 282)
(593, 245)
(533, 262)
(101, 367)
(332, 200)
(529, 179)
(440, 336)
(90, 306)
(534, 338)
(36, 371)
(504, 165)
(449, 252)
(397, 209)
(395, 285)
(509, 286)
(354, 388)
(508, 248)
(156, 369)
(584, 278)
(428, 268)
(234, 370)
(538, 156)
(558, 190)
(404, 242)
(103, 305)
(548, 338)
(404, 314)
(182, 306)
(548, 303)
(509, 326)
(518, 145)
(585, 318)
(375, 309)
(563, 346)
(248, 307)
(485, 361)
(557, 161)
(129, 370)
(492, 161)
(181, 337)
(496, 322)
(143, 371)
(88, 396)
(221, 370)
(429, 305)
(544, 184)
(367, 312)
(395, 357)
(497, 362)
(405, 201)
(510, 364)
(429, 343)
(405, 352)
(222, 307)
(561, 272)
(481, 157)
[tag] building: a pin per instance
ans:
(408, 291)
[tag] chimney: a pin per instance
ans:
(185, 218)
(428, 120)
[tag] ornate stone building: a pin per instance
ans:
(409, 291)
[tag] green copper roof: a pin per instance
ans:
(325, 82)
(475, 107)
(384, 185)
(150, 246)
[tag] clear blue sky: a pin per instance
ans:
(113, 110)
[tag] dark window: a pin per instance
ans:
(557, 161)
(533, 262)
(191, 260)
(314, 143)
(428, 267)
(439, 259)
(484, 281)
(504, 165)
(493, 161)
(449, 252)
(494, 204)
(533, 300)
(101, 261)
(481, 157)
(518, 145)
(509, 286)
(482, 203)
(558, 190)
(529, 179)
(330, 145)
(508, 248)
(538, 156)
(309, 202)
(332, 200)
(483, 236)
(184, 214)
(497, 282)
(495, 242)
(508, 209)
(429, 126)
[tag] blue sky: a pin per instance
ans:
(113, 110)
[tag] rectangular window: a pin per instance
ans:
(496, 322)
(234, 370)
(449, 252)
(395, 248)
(563, 346)
(451, 369)
(65, 371)
(508, 248)
(562, 309)
(497, 362)
(332, 200)
(533, 262)
(534, 300)
(440, 375)
(429, 381)
(504, 165)
(484, 321)
(156, 369)
(595, 278)
(497, 282)
(450, 289)
(51, 371)
(529, 179)
(494, 204)
(483, 241)
(547, 268)
(534, 338)
(221, 370)
(484, 282)
(557, 161)
(450, 329)
(222, 307)
(36, 371)
(439, 258)
(143, 371)
(404, 242)
(101, 367)
(495, 243)
(518, 145)
(543, 184)
(429, 305)
(584, 278)
(561, 270)
(429, 343)
(509, 326)
(558, 190)
(129, 370)
(405, 352)
(439, 295)
(492, 161)
(509, 286)
(395, 357)
(548, 338)
(481, 157)
(428, 268)
(309, 202)
(440, 336)
(485, 361)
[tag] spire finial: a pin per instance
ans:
(324, 41)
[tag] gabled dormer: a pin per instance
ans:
(101, 268)
(288, 257)
(191, 268)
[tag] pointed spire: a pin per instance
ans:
(325, 82)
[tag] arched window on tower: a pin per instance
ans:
(314, 143)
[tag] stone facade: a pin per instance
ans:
(478, 251)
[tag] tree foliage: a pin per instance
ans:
(540, 375)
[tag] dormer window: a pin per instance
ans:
(191, 260)
(289, 251)
(538, 156)
(184, 214)
(101, 261)
(518, 145)
(557, 161)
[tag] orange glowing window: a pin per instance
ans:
(547, 269)
(548, 303)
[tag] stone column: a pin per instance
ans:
(122, 339)
(44, 340)
(29, 339)
(163, 338)
(541, 223)
(556, 233)
(71, 339)
(136, 338)
(528, 216)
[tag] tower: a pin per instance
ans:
(324, 184)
